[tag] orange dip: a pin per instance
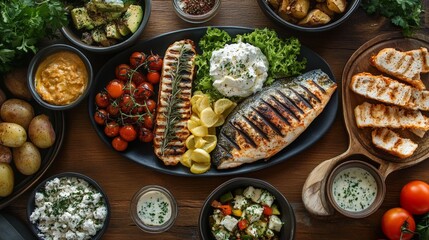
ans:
(61, 78)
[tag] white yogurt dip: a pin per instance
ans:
(354, 189)
(238, 69)
(154, 208)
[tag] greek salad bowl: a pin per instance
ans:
(68, 205)
(107, 27)
(247, 208)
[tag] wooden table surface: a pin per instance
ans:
(84, 152)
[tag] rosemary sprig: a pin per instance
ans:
(172, 115)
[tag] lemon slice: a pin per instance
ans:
(200, 142)
(211, 141)
(199, 168)
(200, 156)
(222, 105)
(220, 121)
(199, 131)
(190, 142)
(208, 117)
(203, 103)
(186, 158)
(193, 124)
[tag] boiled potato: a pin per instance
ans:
(17, 111)
(315, 18)
(338, 6)
(3, 97)
(5, 154)
(27, 158)
(12, 134)
(41, 131)
(16, 83)
(6, 179)
(299, 8)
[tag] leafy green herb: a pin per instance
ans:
(423, 227)
(282, 55)
(23, 23)
(403, 13)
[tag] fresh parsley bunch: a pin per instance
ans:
(402, 13)
(23, 23)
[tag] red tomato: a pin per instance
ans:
(155, 62)
(113, 109)
(126, 103)
(268, 211)
(144, 91)
(111, 129)
(115, 88)
(147, 121)
(137, 59)
(414, 197)
(242, 224)
(102, 99)
(119, 144)
(397, 224)
(145, 135)
(122, 72)
(153, 77)
(151, 105)
(138, 78)
(128, 133)
(129, 87)
(100, 116)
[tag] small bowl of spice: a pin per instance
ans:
(355, 189)
(196, 11)
(59, 77)
(153, 209)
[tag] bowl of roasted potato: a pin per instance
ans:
(309, 15)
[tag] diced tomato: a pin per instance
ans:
(242, 224)
(226, 209)
(268, 211)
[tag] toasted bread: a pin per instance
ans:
(405, 66)
(380, 115)
(387, 90)
(392, 143)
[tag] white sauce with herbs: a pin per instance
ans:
(154, 208)
(354, 189)
(238, 69)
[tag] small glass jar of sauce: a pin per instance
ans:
(153, 209)
(196, 11)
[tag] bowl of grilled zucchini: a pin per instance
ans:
(309, 15)
(106, 26)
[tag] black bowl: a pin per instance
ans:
(72, 35)
(39, 57)
(31, 201)
(352, 5)
(287, 214)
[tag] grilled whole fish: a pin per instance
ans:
(174, 106)
(268, 121)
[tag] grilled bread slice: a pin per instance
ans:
(380, 115)
(387, 90)
(174, 106)
(405, 66)
(392, 143)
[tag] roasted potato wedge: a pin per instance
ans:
(275, 4)
(315, 18)
(337, 6)
(324, 8)
(299, 8)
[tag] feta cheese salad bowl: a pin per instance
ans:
(106, 26)
(68, 205)
(246, 208)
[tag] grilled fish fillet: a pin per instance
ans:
(174, 106)
(380, 115)
(271, 119)
(390, 91)
(405, 66)
(392, 143)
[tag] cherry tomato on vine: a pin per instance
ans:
(119, 144)
(111, 129)
(122, 72)
(153, 77)
(100, 116)
(145, 135)
(155, 62)
(113, 109)
(150, 105)
(414, 197)
(144, 91)
(129, 87)
(102, 99)
(398, 223)
(148, 121)
(128, 133)
(138, 78)
(115, 88)
(126, 103)
(137, 59)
